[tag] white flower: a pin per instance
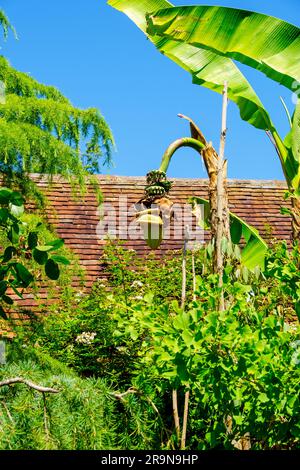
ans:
(138, 297)
(250, 295)
(86, 337)
(79, 294)
(136, 284)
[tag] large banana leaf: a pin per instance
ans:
(254, 252)
(263, 42)
(208, 68)
(295, 147)
(290, 151)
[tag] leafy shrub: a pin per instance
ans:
(20, 244)
(63, 333)
(240, 366)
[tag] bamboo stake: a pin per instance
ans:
(183, 289)
(175, 413)
(220, 197)
(194, 276)
(183, 299)
(185, 419)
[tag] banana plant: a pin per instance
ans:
(156, 205)
(187, 35)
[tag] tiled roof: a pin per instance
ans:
(258, 202)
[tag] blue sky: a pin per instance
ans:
(97, 57)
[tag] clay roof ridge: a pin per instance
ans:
(108, 179)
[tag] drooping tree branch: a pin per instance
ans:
(120, 396)
(29, 384)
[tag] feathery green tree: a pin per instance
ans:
(42, 132)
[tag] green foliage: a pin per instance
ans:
(241, 366)
(283, 280)
(252, 256)
(273, 52)
(20, 244)
(6, 25)
(41, 132)
(83, 335)
(241, 363)
(79, 417)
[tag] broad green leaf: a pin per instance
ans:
(182, 371)
(9, 252)
(165, 357)
(40, 257)
(239, 419)
(60, 259)
(294, 149)
(253, 254)
(296, 133)
(285, 211)
(187, 337)
(44, 248)
(211, 438)
(5, 195)
(136, 10)
(16, 291)
(178, 323)
(202, 217)
(208, 68)
(23, 273)
(263, 42)
(4, 215)
(2, 313)
(16, 199)
(52, 269)
(236, 230)
(8, 300)
(3, 287)
(32, 240)
(263, 398)
(13, 233)
(56, 244)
